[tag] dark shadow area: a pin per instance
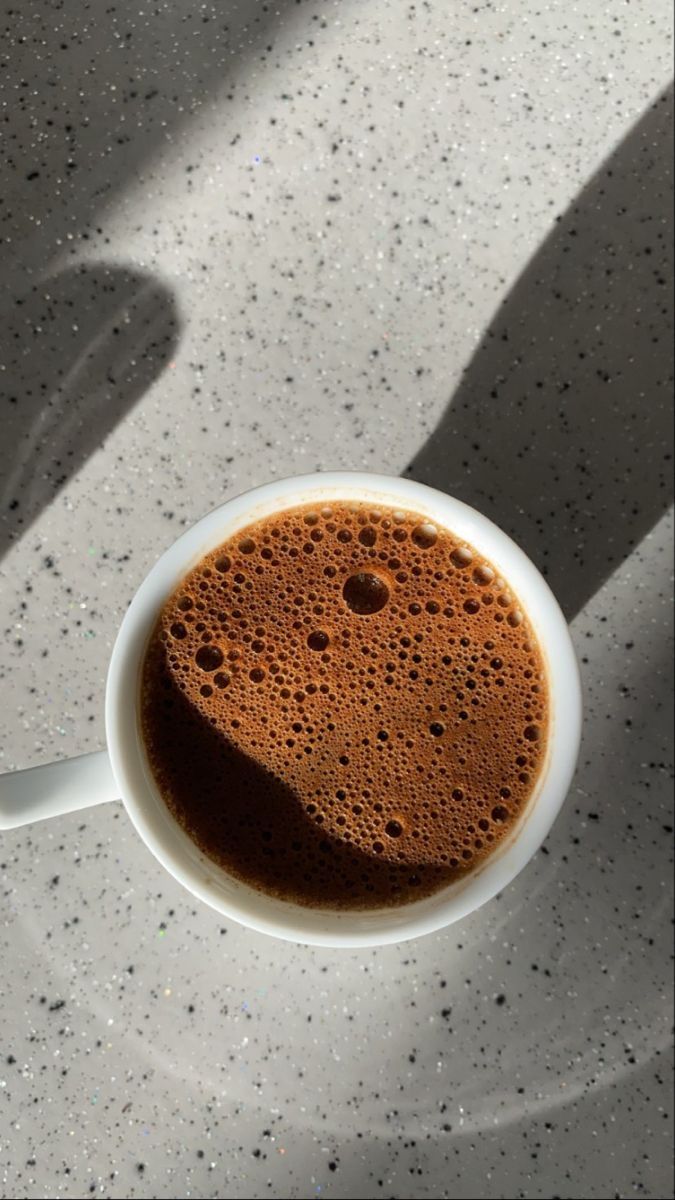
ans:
(561, 429)
(252, 823)
(92, 94)
(76, 352)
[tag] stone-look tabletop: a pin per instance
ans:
(245, 240)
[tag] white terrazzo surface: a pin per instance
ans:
(247, 240)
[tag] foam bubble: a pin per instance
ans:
(318, 640)
(365, 593)
(425, 535)
(483, 575)
(208, 658)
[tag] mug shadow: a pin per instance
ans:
(76, 352)
(561, 428)
(251, 822)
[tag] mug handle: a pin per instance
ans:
(56, 788)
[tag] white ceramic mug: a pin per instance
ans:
(123, 771)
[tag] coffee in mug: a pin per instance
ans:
(345, 706)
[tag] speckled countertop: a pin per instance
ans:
(244, 240)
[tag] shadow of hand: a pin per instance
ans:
(561, 428)
(77, 351)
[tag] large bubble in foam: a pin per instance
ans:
(365, 593)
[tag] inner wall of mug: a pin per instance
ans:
(176, 850)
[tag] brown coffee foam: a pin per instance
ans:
(341, 756)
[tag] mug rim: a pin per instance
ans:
(262, 911)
